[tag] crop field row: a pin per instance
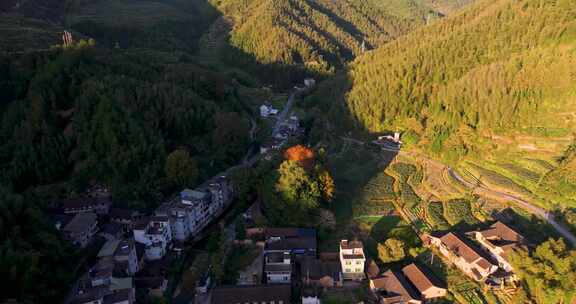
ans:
(522, 172)
(458, 211)
(435, 213)
(495, 179)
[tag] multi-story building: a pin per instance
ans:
(81, 229)
(98, 205)
(499, 241)
(193, 210)
(156, 234)
(297, 241)
(352, 260)
(99, 286)
(278, 267)
(464, 255)
(261, 294)
(126, 258)
(124, 217)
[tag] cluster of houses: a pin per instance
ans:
(486, 259)
(132, 242)
(285, 129)
(290, 261)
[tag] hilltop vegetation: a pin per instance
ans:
(320, 35)
(501, 66)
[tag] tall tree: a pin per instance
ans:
(549, 270)
(181, 169)
(391, 250)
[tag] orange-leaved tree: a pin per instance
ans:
(302, 155)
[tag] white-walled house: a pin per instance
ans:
(266, 111)
(352, 260)
(466, 257)
(155, 234)
(499, 241)
(193, 210)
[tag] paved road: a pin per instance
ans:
(549, 217)
(282, 117)
(482, 189)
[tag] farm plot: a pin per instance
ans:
(459, 211)
(522, 173)
(496, 180)
(376, 197)
(435, 213)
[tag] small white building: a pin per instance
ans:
(266, 111)
(311, 300)
(309, 82)
(155, 234)
(352, 260)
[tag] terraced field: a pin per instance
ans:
(21, 34)
(435, 216)
(459, 211)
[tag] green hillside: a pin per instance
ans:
(320, 34)
(497, 79)
(162, 25)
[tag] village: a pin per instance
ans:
(135, 250)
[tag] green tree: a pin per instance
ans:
(296, 186)
(181, 169)
(391, 250)
(549, 270)
(327, 185)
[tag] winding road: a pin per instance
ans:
(549, 217)
(485, 191)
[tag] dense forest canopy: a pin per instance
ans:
(500, 66)
(322, 35)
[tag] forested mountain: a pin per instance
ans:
(501, 66)
(322, 35)
(130, 108)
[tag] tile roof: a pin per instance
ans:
(292, 244)
(149, 282)
(108, 248)
(119, 296)
(290, 232)
(84, 202)
(123, 214)
(345, 244)
(463, 249)
(420, 277)
(372, 269)
(81, 222)
(278, 267)
(317, 269)
(499, 234)
(251, 294)
(393, 284)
